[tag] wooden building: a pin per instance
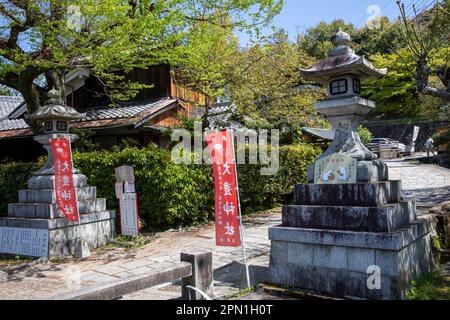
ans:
(144, 118)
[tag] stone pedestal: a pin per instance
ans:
(335, 237)
(37, 209)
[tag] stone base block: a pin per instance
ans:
(39, 182)
(370, 219)
(367, 172)
(50, 210)
(347, 263)
(97, 229)
(49, 195)
(357, 194)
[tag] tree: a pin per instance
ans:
(272, 92)
(425, 34)
(383, 37)
(396, 93)
(316, 42)
(42, 39)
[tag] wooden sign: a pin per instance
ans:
(335, 169)
(24, 241)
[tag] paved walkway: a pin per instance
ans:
(428, 184)
(34, 280)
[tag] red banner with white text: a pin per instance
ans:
(226, 201)
(64, 187)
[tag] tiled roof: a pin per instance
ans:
(8, 124)
(8, 104)
(100, 116)
(220, 117)
(128, 110)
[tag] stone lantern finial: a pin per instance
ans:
(341, 38)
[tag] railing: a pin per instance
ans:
(194, 270)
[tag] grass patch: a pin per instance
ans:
(241, 293)
(128, 242)
(15, 259)
(432, 286)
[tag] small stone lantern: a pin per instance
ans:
(343, 72)
(55, 117)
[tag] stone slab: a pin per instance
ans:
(358, 194)
(55, 223)
(345, 271)
(49, 196)
(370, 219)
(396, 240)
(50, 211)
(97, 229)
(39, 182)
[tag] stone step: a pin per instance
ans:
(355, 194)
(47, 182)
(49, 196)
(50, 211)
(368, 219)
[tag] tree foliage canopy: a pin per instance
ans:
(44, 38)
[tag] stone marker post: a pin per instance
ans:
(202, 275)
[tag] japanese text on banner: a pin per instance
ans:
(64, 187)
(226, 201)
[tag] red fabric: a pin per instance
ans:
(66, 197)
(226, 200)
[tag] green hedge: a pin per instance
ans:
(174, 194)
(13, 177)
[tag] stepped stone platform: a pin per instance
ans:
(333, 237)
(37, 209)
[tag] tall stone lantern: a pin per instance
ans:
(54, 117)
(35, 226)
(342, 73)
(354, 237)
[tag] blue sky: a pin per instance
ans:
(298, 15)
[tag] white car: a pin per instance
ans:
(386, 141)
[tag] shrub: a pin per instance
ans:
(13, 177)
(169, 194)
(442, 138)
(173, 194)
(365, 135)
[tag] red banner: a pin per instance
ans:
(226, 201)
(64, 187)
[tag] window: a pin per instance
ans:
(356, 86)
(61, 125)
(338, 86)
(48, 126)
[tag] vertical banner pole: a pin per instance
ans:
(76, 196)
(247, 272)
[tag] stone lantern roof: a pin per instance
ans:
(342, 60)
(55, 109)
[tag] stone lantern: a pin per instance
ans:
(35, 225)
(54, 117)
(358, 238)
(343, 72)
